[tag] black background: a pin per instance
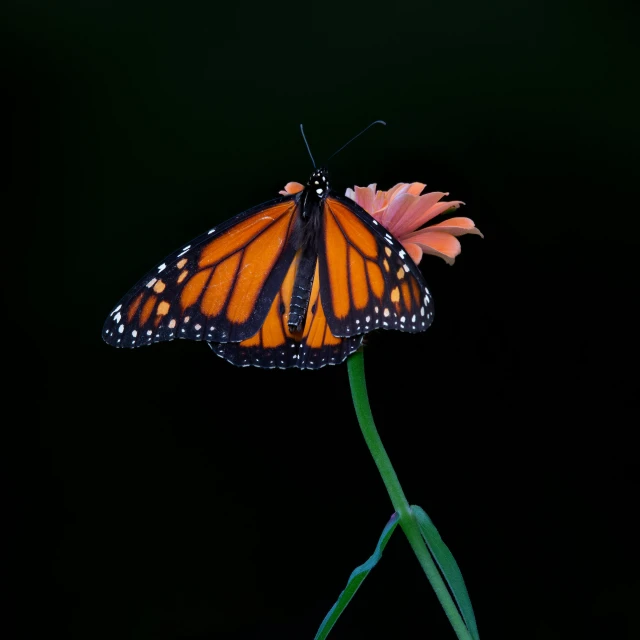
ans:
(168, 494)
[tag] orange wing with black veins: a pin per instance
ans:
(367, 280)
(275, 346)
(218, 288)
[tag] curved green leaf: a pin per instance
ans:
(448, 567)
(355, 580)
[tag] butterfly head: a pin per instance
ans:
(319, 183)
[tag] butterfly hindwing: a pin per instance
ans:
(219, 287)
(275, 346)
(367, 279)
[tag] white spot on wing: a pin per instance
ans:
(162, 267)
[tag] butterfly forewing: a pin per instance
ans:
(367, 279)
(219, 287)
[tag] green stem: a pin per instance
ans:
(407, 520)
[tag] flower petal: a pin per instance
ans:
(393, 215)
(290, 188)
(397, 190)
(416, 188)
(380, 201)
(436, 243)
(414, 251)
(364, 197)
(417, 211)
(456, 227)
(433, 211)
(390, 192)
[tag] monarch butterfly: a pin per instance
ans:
(293, 282)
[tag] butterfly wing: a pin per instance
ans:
(274, 345)
(218, 288)
(367, 279)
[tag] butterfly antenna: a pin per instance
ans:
(308, 148)
(354, 137)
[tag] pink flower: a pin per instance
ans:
(403, 211)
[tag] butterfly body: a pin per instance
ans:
(304, 238)
(294, 282)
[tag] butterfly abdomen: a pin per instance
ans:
(302, 285)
